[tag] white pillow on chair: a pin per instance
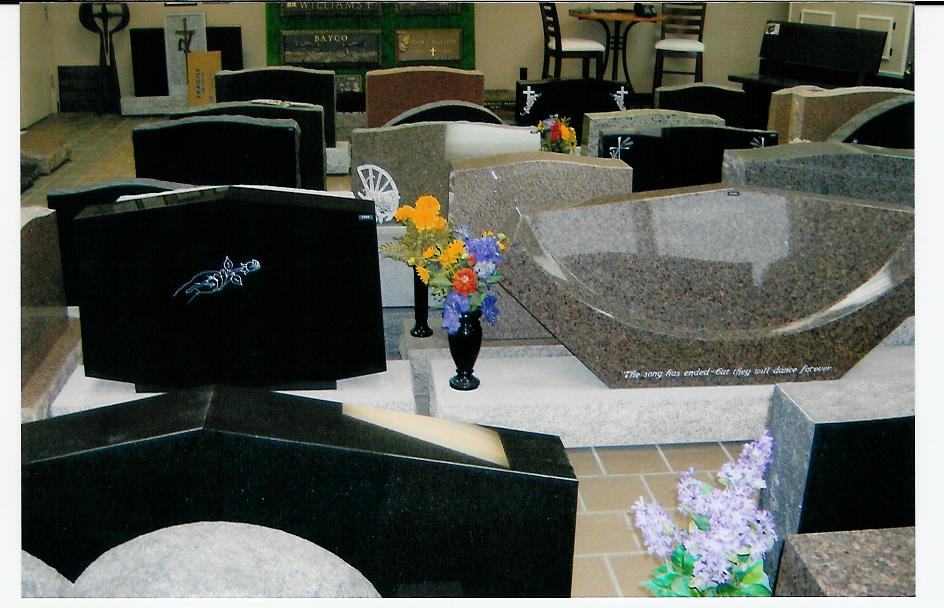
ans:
(687, 45)
(577, 44)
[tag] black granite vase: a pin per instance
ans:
(421, 327)
(464, 346)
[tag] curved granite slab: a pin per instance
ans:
(637, 121)
(715, 286)
(390, 92)
(889, 124)
(838, 169)
(449, 111)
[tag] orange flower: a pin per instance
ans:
(403, 213)
(426, 214)
(429, 252)
(465, 282)
(423, 274)
(452, 253)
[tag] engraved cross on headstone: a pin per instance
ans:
(621, 144)
(432, 51)
(186, 36)
(619, 97)
(530, 97)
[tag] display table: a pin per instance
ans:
(614, 41)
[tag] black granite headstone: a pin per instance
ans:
(68, 204)
(413, 517)
(535, 100)
(642, 152)
(283, 83)
(310, 119)
(889, 124)
(703, 98)
(694, 155)
(446, 111)
(219, 150)
(243, 285)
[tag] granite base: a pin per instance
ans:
(559, 395)
(390, 390)
(339, 159)
(150, 106)
(396, 278)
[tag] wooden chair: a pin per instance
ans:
(682, 33)
(567, 48)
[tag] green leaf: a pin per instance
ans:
(440, 281)
(755, 591)
(476, 300)
(755, 575)
(702, 522)
(683, 560)
(657, 590)
(681, 586)
(494, 278)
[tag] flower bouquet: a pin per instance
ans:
(722, 551)
(557, 135)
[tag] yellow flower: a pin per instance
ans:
(429, 252)
(423, 274)
(486, 233)
(452, 252)
(403, 213)
(501, 241)
(426, 214)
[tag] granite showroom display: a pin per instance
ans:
(715, 286)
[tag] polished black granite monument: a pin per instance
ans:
(715, 286)
(887, 124)
(446, 111)
(68, 204)
(283, 83)
(310, 118)
(703, 98)
(240, 285)
(216, 150)
(535, 100)
(414, 517)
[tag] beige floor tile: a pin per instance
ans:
(702, 456)
(611, 493)
(338, 183)
(631, 571)
(618, 461)
(592, 579)
(583, 462)
(606, 533)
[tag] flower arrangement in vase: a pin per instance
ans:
(557, 135)
(721, 553)
(460, 271)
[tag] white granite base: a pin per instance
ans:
(338, 159)
(147, 106)
(560, 396)
(391, 390)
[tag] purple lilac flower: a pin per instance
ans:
(746, 474)
(453, 308)
(484, 249)
(658, 531)
(490, 308)
(690, 492)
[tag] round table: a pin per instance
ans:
(615, 42)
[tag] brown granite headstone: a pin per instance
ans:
(811, 113)
(392, 92)
(715, 286)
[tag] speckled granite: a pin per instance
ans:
(851, 170)
(393, 91)
(38, 579)
(812, 113)
(42, 294)
(338, 159)
(848, 128)
(484, 193)
(810, 420)
(626, 121)
(861, 563)
(903, 336)
(220, 559)
(715, 286)
(150, 106)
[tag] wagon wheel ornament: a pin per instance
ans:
(379, 187)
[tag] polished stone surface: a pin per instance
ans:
(715, 286)
(571, 98)
(704, 98)
(825, 437)
(596, 123)
(220, 559)
(156, 105)
(485, 192)
(445, 111)
(861, 563)
(850, 170)
(393, 91)
(417, 156)
(37, 579)
(888, 124)
(811, 113)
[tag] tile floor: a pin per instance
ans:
(609, 558)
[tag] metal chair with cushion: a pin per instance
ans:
(567, 48)
(682, 30)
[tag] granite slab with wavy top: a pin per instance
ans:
(715, 286)
(632, 121)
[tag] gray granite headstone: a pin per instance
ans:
(715, 286)
(485, 192)
(183, 33)
(850, 170)
(38, 579)
(628, 121)
(221, 559)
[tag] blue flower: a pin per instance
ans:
(490, 308)
(461, 232)
(484, 249)
(453, 308)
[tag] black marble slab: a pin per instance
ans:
(887, 124)
(68, 204)
(446, 111)
(298, 302)
(310, 118)
(535, 100)
(283, 83)
(714, 285)
(413, 517)
(702, 98)
(216, 150)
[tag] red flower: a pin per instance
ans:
(465, 282)
(556, 132)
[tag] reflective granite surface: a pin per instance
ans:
(42, 293)
(634, 121)
(709, 286)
